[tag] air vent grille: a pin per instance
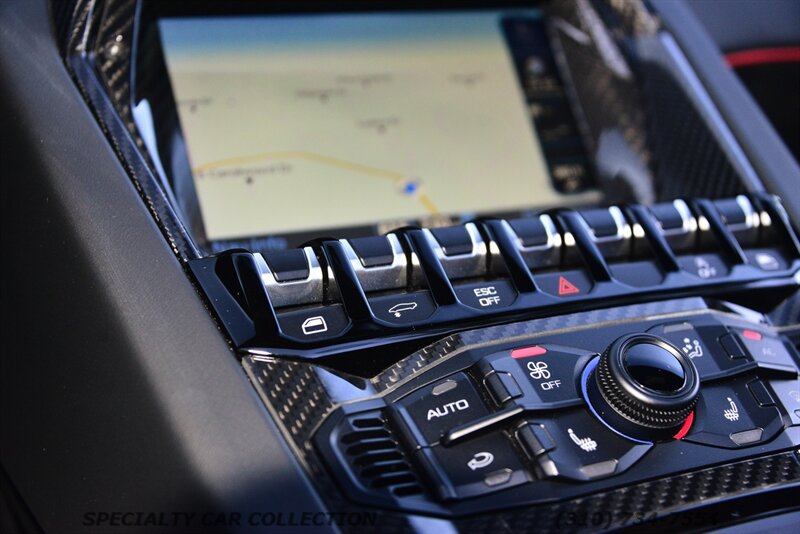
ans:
(376, 457)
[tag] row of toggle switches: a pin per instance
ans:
(361, 287)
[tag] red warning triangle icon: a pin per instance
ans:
(565, 287)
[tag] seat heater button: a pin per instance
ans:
(436, 408)
(487, 295)
(702, 347)
(403, 308)
(547, 374)
(314, 324)
(474, 467)
(728, 416)
(585, 449)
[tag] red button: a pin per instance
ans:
(752, 334)
(528, 352)
(565, 287)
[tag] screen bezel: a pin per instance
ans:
(150, 81)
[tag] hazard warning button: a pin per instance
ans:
(564, 284)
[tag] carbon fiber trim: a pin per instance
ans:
(416, 362)
(650, 500)
(297, 396)
(98, 54)
(689, 161)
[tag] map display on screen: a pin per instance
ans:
(322, 121)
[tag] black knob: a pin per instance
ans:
(644, 387)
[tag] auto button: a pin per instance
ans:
(433, 409)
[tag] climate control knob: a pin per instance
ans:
(644, 387)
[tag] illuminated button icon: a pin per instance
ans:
(438, 407)
(704, 269)
(487, 296)
(479, 466)
(404, 308)
(481, 460)
(704, 266)
(398, 309)
(752, 334)
(528, 352)
(565, 287)
(767, 261)
(575, 445)
(314, 325)
(692, 347)
(538, 370)
(728, 415)
(565, 284)
(732, 413)
(587, 444)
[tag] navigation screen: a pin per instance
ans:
(305, 122)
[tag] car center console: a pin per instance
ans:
(561, 408)
(486, 268)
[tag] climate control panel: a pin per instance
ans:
(557, 408)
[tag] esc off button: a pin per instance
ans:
(487, 295)
(536, 377)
